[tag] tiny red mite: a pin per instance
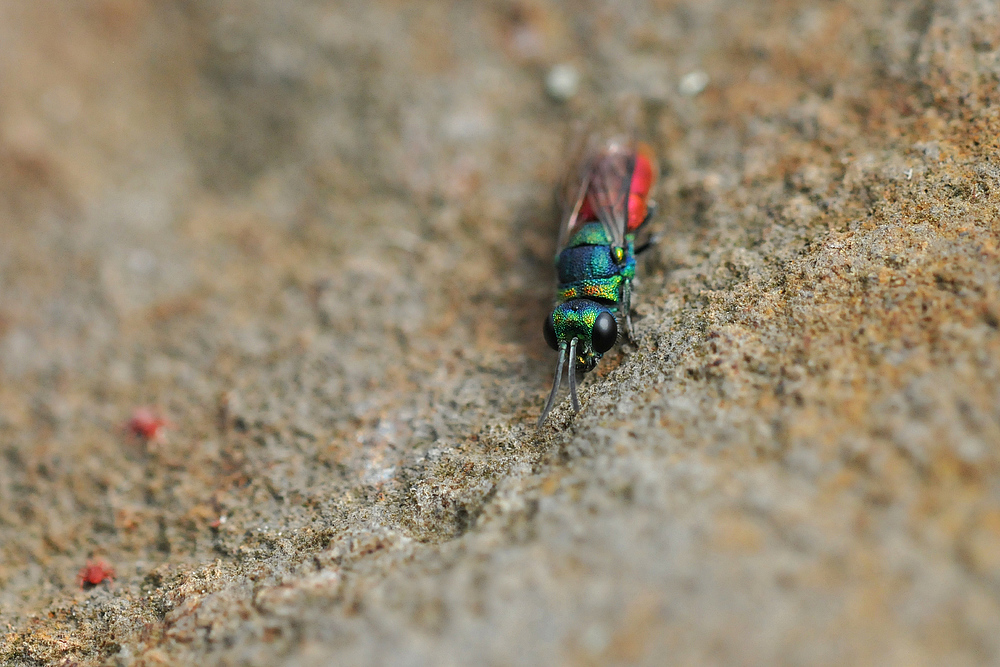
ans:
(146, 424)
(94, 573)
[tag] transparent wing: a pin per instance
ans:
(596, 186)
(598, 183)
(572, 192)
(608, 187)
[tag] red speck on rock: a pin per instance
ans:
(146, 424)
(94, 573)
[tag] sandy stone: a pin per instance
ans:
(317, 241)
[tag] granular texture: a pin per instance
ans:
(316, 240)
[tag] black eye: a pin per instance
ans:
(549, 331)
(605, 333)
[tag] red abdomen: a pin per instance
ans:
(642, 181)
(643, 177)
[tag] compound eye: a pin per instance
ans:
(549, 331)
(605, 333)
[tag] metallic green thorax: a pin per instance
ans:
(594, 277)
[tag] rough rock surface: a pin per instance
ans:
(316, 238)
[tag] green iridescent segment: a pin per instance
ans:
(591, 282)
(605, 289)
(592, 233)
(576, 319)
(588, 270)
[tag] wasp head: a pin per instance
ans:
(581, 330)
(591, 324)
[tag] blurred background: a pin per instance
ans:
(312, 242)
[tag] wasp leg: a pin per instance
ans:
(653, 240)
(629, 331)
(625, 311)
(652, 208)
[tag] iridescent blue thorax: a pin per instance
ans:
(590, 268)
(594, 278)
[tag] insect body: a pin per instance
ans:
(147, 424)
(604, 203)
(94, 573)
